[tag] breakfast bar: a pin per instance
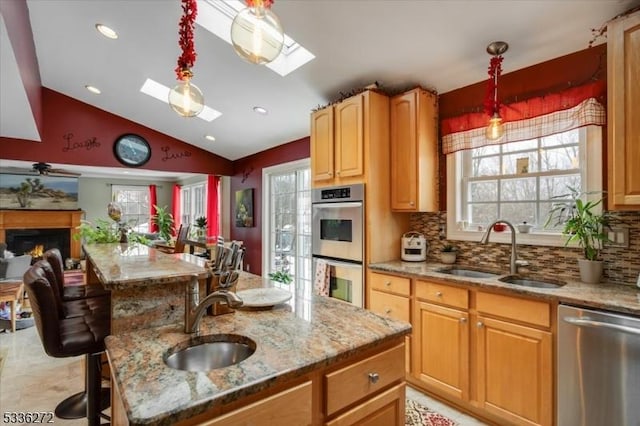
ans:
(147, 286)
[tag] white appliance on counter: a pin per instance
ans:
(414, 247)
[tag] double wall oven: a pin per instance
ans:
(338, 239)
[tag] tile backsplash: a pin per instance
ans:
(622, 265)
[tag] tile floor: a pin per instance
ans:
(33, 381)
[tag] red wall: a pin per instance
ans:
(248, 174)
(16, 19)
(91, 132)
(547, 77)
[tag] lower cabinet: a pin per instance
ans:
(387, 408)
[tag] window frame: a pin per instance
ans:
(191, 190)
(137, 188)
(591, 138)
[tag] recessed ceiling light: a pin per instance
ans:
(209, 138)
(161, 93)
(106, 31)
(92, 89)
(260, 110)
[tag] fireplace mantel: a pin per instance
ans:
(39, 219)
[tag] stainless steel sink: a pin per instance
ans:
(532, 282)
(209, 352)
(469, 273)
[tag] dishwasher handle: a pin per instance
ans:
(586, 322)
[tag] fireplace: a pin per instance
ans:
(23, 241)
(55, 228)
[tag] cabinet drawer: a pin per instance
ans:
(531, 311)
(443, 294)
(354, 382)
(396, 307)
(391, 284)
(386, 409)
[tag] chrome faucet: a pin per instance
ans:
(194, 309)
(514, 256)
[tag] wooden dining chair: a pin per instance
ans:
(181, 238)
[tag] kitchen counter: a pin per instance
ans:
(613, 297)
(307, 333)
(147, 286)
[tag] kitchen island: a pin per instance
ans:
(318, 360)
(147, 286)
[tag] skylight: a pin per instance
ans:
(216, 17)
(161, 93)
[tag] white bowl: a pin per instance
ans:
(524, 228)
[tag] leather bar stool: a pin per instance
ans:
(68, 337)
(54, 258)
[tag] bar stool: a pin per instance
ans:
(69, 337)
(54, 258)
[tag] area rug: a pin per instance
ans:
(418, 415)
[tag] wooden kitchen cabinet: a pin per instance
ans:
(489, 353)
(342, 134)
(414, 151)
(385, 409)
(623, 108)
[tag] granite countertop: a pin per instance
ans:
(306, 333)
(123, 266)
(613, 297)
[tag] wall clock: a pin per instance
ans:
(132, 150)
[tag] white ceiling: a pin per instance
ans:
(437, 44)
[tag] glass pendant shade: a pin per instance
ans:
(186, 99)
(495, 129)
(257, 35)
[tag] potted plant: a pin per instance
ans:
(448, 254)
(281, 276)
(581, 223)
(201, 227)
(165, 222)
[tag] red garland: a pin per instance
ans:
(187, 24)
(491, 104)
(265, 3)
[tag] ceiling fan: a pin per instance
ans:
(45, 169)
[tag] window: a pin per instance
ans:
(194, 202)
(287, 232)
(519, 181)
(134, 201)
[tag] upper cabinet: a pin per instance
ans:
(342, 134)
(623, 75)
(414, 152)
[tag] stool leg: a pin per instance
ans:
(93, 386)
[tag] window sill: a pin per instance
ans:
(532, 238)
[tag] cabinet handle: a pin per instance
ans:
(411, 203)
(387, 311)
(388, 283)
(330, 173)
(337, 173)
(374, 377)
(463, 320)
(439, 293)
(479, 324)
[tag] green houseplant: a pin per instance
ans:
(583, 224)
(281, 276)
(201, 226)
(165, 222)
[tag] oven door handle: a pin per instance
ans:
(339, 263)
(356, 204)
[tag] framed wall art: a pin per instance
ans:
(244, 208)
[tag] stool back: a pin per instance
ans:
(54, 257)
(50, 275)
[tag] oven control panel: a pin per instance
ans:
(346, 193)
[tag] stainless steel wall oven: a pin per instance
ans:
(338, 238)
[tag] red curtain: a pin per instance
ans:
(175, 207)
(213, 227)
(530, 108)
(153, 202)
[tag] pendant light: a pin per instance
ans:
(185, 98)
(256, 33)
(495, 128)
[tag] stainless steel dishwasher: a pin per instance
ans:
(598, 368)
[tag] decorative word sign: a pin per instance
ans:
(173, 156)
(87, 144)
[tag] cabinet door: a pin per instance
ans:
(514, 377)
(386, 409)
(349, 137)
(441, 348)
(390, 305)
(623, 75)
(322, 145)
(404, 155)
